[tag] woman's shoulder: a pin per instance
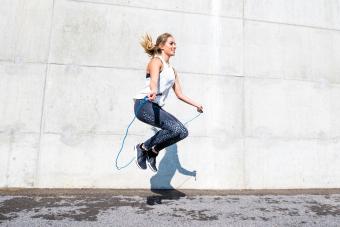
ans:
(157, 59)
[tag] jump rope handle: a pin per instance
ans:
(147, 99)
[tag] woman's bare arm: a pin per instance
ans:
(178, 91)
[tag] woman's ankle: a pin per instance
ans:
(154, 150)
(143, 147)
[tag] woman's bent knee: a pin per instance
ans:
(183, 132)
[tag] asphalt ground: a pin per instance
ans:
(104, 207)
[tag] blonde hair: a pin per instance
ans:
(149, 47)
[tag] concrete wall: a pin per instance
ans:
(267, 72)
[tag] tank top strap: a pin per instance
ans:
(173, 69)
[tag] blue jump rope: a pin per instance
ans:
(145, 99)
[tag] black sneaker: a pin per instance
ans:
(151, 160)
(140, 156)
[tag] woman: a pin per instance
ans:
(160, 78)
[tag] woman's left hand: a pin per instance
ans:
(200, 108)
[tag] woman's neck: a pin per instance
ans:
(166, 57)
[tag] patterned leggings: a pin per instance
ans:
(172, 130)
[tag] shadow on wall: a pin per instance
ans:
(161, 182)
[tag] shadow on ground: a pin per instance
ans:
(161, 182)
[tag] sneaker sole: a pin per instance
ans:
(152, 169)
(135, 148)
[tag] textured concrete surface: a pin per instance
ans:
(169, 208)
(314, 13)
(266, 72)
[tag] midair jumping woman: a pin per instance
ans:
(160, 78)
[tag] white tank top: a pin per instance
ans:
(166, 80)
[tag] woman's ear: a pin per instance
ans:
(161, 46)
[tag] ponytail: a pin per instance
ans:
(149, 47)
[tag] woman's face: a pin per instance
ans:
(169, 48)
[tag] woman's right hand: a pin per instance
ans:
(152, 95)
